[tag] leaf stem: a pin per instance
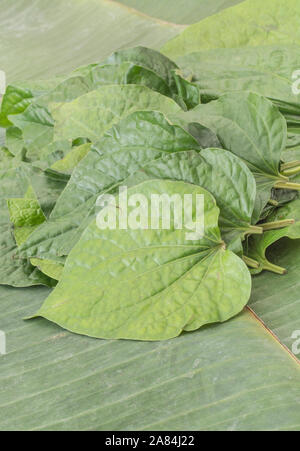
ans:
(291, 171)
(254, 230)
(250, 262)
(277, 224)
(290, 165)
(287, 185)
(273, 202)
(267, 266)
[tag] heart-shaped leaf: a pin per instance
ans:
(149, 284)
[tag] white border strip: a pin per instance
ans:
(2, 82)
(2, 342)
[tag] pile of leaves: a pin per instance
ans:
(224, 123)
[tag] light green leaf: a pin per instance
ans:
(15, 179)
(15, 101)
(14, 270)
(72, 158)
(251, 23)
(181, 90)
(147, 58)
(127, 147)
(174, 284)
(50, 268)
(266, 70)
(25, 215)
(18, 97)
(92, 114)
(252, 128)
(258, 246)
(36, 125)
(289, 211)
(218, 171)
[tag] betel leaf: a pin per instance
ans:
(36, 125)
(251, 23)
(18, 97)
(149, 284)
(16, 179)
(148, 58)
(15, 101)
(266, 70)
(51, 268)
(36, 122)
(138, 139)
(221, 173)
(47, 185)
(180, 89)
(14, 270)
(87, 116)
(25, 215)
(289, 211)
(69, 162)
(252, 128)
(92, 114)
(257, 247)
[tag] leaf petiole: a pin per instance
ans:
(291, 171)
(254, 230)
(290, 165)
(267, 266)
(251, 262)
(273, 202)
(287, 185)
(277, 224)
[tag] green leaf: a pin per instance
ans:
(15, 179)
(147, 58)
(256, 248)
(36, 125)
(252, 128)
(86, 117)
(127, 147)
(250, 23)
(221, 173)
(180, 89)
(25, 215)
(15, 101)
(14, 270)
(14, 140)
(18, 97)
(50, 268)
(266, 70)
(157, 281)
(72, 158)
(92, 114)
(289, 211)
